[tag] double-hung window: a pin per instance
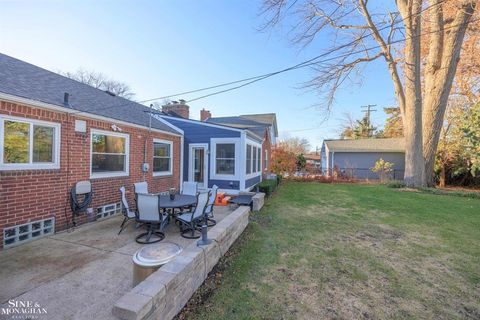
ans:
(162, 157)
(225, 159)
(110, 153)
(259, 159)
(253, 160)
(265, 161)
(249, 159)
(29, 144)
(254, 164)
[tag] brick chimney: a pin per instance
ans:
(179, 108)
(205, 114)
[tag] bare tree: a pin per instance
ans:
(100, 81)
(295, 145)
(392, 32)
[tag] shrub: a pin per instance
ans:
(267, 186)
(383, 168)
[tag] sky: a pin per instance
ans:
(165, 47)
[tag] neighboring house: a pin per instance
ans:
(355, 158)
(214, 154)
(313, 160)
(264, 125)
(54, 132)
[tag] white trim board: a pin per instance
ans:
(73, 112)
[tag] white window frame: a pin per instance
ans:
(213, 159)
(31, 165)
(247, 147)
(265, 161)
(124, 173)
(252, 144)
(163, 173)
(191, 146)
(259, 159)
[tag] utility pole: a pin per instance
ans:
(368, 109)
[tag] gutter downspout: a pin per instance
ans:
(145, 144)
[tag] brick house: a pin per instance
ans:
(54, 132)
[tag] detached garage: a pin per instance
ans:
(355, 158)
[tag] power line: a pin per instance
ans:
(297, 66)
(303, 64)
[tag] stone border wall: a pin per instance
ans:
(165, 292)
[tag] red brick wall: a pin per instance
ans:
(180, 109)
(266, 146)
(30, 195)
(205, 114)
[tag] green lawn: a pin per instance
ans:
(349, 251)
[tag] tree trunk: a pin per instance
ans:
(412, 115)
(444, 54)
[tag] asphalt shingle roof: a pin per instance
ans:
(258, 122)
(236, 121)
(366, 145)
(22, 79)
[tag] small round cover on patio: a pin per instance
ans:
(154, 255)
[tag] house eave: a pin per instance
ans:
(43, 105)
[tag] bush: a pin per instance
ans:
(267, 186)
(397, 184)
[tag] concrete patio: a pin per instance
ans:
(78, 274)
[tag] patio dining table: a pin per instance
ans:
(180, 201)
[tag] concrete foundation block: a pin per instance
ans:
(133, 306)
(258, 201)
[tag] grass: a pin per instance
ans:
(350, 251)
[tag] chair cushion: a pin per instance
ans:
(187, 217)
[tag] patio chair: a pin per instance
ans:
(140, 187)
(127, 213)
(190, 188)
(189, 220)
(148, 213)
(211, 203)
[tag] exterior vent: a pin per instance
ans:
(110, 93)
(20, 234)
(109, 210)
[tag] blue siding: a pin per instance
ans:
(252, 181)
(358, 164)
(201, 133)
